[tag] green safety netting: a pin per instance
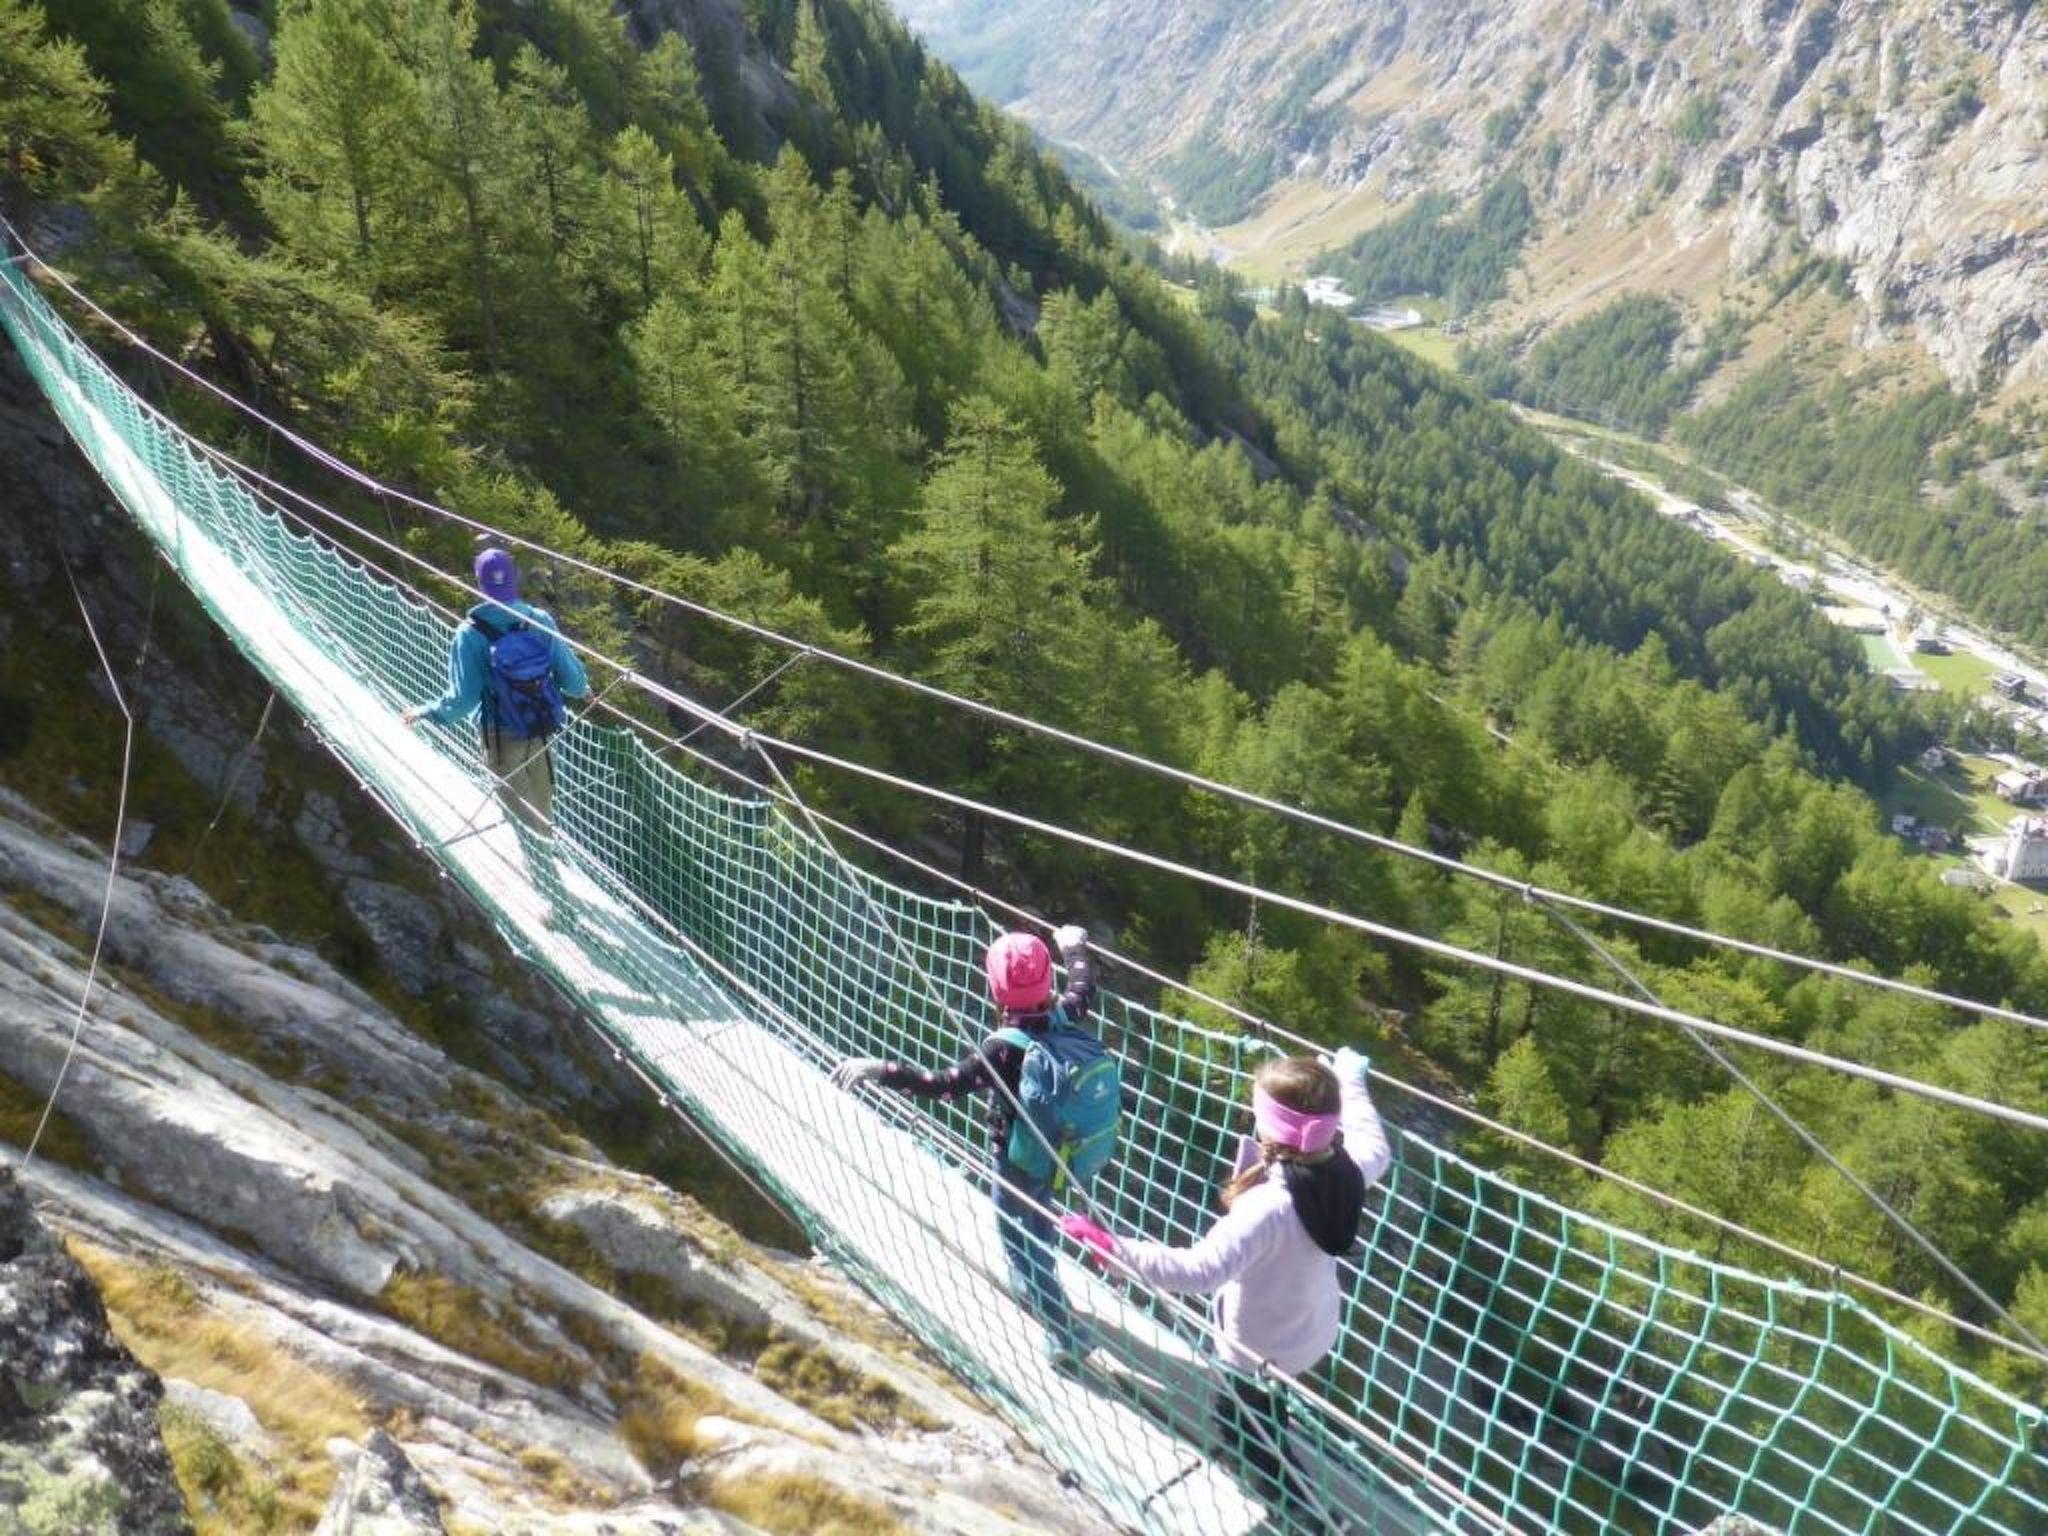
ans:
(1507, 1362)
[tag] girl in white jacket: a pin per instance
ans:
(1271, 1260)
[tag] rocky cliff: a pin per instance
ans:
(330, 1170)
(79, 1442)
(1675, 144)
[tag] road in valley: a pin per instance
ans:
(1852, 583)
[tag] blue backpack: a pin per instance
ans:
(1072, 1093)
(525, 700)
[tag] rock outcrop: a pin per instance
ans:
(80, 1450)
(379, 1492)
(240, 1113)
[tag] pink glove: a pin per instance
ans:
(1089, 1235)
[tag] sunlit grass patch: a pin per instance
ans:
(795, 1504)
(172, 1330)
(661, 1413)
(463, 1319)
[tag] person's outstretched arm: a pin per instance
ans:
(465, 691)
(1222, 1253)
(1078, 1000)
(970, 1074)
(1365, 1137)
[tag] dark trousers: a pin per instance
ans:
(1027, 1234)
(1253, 1423)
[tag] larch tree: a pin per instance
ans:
(554, 139)
(818, 120)
(677, 369)
(654, 228)
(472, 203)
(994, 592)
(173, 68)
(332, 125)
(53, 119)
(669, 90)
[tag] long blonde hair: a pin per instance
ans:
(1305, 1086)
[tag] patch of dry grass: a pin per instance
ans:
(549, 1474)
(795, 1504)
(169, 1327)
(843, 1314)
(660, 1414)
(842, 1396)
(464, 1320)
(223, 1495)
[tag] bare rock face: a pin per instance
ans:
(324, 1220)
(80, 1451)
(380, 1493)
(717, 31)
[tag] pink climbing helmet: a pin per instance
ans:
(1019, 971)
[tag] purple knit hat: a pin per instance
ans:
(497, 576)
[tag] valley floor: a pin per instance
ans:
(1887, 611)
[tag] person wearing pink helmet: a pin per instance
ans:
(1020, 982)
(1291, 1210)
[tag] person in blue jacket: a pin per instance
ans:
(510, 671)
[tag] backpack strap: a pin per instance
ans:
(491, 633)
(1010, 1034)
(487, 722)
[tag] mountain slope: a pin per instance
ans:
(760, 306)
(1667, 143)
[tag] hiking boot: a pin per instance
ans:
(1104, 1366)
(1093, 1364)
(1065, 1359)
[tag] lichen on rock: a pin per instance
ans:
(80, 1450)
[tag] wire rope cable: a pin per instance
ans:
(99, 938)
(234, 779)
(1815, 1145)
(1074, 740)
(1388, 933)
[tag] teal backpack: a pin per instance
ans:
(1072, 1093)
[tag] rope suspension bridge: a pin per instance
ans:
(1507, 1363)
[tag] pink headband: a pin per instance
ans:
(1290, 1127)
